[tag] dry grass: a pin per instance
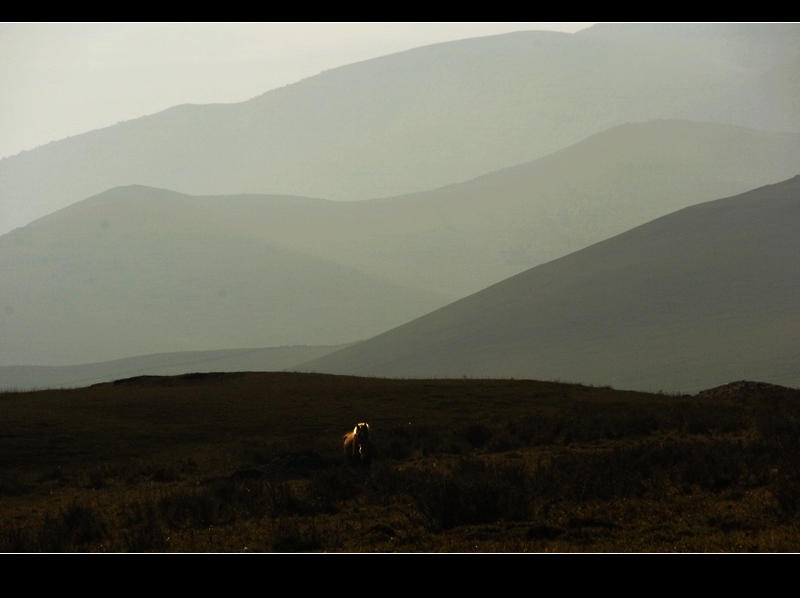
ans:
(253, 462)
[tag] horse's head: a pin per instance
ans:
(361, 432)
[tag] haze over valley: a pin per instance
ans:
(612, 206)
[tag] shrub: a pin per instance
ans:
(143, 529)
(71, 529)
(475, 492)
(289, 535)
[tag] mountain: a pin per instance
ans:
(461, 238)
(137, 270)
(704, 295)
(426, 117)
(134, 271)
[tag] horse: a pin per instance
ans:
(357, 447)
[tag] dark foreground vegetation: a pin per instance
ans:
(253, 462)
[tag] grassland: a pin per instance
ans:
(253, 462)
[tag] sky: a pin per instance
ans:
(59, 80)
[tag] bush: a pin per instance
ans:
(143, 529)
(72, 529)
(289, 535)
(475, 492)
(477, 435)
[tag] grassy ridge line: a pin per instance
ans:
(152, 416)
(158, 417)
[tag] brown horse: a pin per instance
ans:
(357, 447)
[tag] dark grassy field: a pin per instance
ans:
(253, 462)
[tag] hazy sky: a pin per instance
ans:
(59, 80)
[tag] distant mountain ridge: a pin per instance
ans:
(133, 272)
(426, 117)
(137, 270)
(688, 301)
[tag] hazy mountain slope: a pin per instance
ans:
(450, 241)
(461, 238)
(117, 276)
(690, 300)
(138, 270)
(272, 359)
(416, 120)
